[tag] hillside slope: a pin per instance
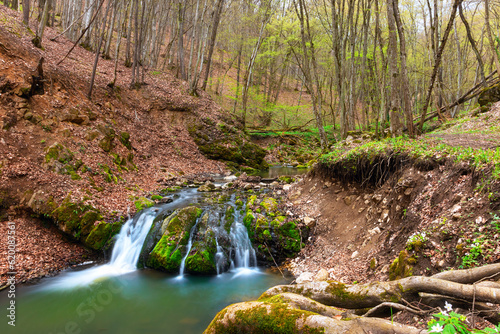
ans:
(87, 164)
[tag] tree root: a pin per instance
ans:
(312, 307)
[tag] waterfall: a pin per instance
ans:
(188, 248)
(244, 254)
(124, 257)
(129, 241)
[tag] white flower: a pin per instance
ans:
(448, 306)
(445, 313)
(437, 328)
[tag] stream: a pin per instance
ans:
(116, 297)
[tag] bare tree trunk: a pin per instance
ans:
(26, 12)
(213, 37)
(437, 63)
(96, 60)
(181, 71)
(396, 128)
(240, 49)
(405, 84)
(490, 35)
(472, 42)
(37, 41)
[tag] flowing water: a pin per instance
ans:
(118, 298)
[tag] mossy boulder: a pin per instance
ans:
(227, 143)
(489, 96)
(273, 235)
(201, 259)
(142, 203)
(270, 206)
(402, 266)
(101, 235)
(272, 315)
(84, 223)
(169, 251)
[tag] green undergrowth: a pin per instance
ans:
(419, 149)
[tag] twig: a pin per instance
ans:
(396, 306)
(267, 247)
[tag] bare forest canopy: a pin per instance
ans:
(350, 64)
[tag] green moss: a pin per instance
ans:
(125, 140)
(168, 252)
(202, 262)
(401, 266)
(102, 234)
(76, 219)
(272, 316)
(229, 218)
(270, 205)
(156, 197)
(142, 203)
(251, 200)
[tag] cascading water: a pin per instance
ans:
(244, 254)
(124, 257)
(188, 249)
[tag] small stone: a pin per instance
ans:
(322, 275)
(347, 200)
(305, 277)
(354, 255)
(310, 222)
(385, 214)
(377, 198)
(408, 191)
(287, 187)
(328, 184)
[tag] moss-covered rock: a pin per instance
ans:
(101, 235)
(125, 140)
(201, 259)
(226, 143)
(169, 251)
(489, 96)
(84, 223)
(142, 203)
(402, 266)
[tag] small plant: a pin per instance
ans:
(470, 258)
(450, 322)
(416, 240)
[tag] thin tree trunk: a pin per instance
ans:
(26, 12)
(96, 59)
(437, 63)
(490, 35)
(213, 37)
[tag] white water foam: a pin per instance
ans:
(124, 257)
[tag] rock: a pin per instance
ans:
(328, 184)
(321, 275)
(408, 191)
(305, 277)
(354, 255)
(385, 214)
(73, 116)
(310, 222)
(208, 186)
(347, 200)
(374, 231)
(106, 144)
(377, 198)
(361, 210)
(489, 96)
(168, 252)
(287, 187)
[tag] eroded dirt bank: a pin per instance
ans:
(413, 219)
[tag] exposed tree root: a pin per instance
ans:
(312, 307)
(280, 314)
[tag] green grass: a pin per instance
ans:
(421, 148)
